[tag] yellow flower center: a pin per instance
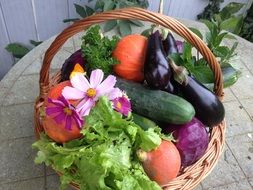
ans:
(67, 111)
(118, 105)
(91, 92)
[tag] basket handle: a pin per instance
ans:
(130, 13)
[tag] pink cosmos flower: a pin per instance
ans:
(122, 105)
(61, 111)
(88, 92)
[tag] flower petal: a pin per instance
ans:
(80, 82)
(63, 100)
(68, 123)
(56, 102)
(53, 110)
(85, 105)
(59, 118)
(72, 93)
(78, 120)
(106, 86)
(96, 77)
(114, 93)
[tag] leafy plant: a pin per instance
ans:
(123, 26)
(226, 18)
(247, 28)
(199, 67)
(212, 8)
(19, 50)
(97, 50)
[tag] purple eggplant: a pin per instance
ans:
(170, 45)
(70, 63)
(209, 109)
(157, 71)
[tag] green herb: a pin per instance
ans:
(97, 50)
(105, 158)
(200, 70)
(122, 27)
(247, 28)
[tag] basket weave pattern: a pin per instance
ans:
(191, 176)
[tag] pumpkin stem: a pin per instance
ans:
(142, 155)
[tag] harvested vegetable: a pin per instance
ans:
(170, 44)
(62, 123)
(162, 164)
(130, 51)
(157, 71)
(156, 104)
(191, 140)
(97, 50)
(209, 109)
(104, 159)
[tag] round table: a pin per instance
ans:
(20, 87)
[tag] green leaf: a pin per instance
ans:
(109, 25)
(124, 27)
(230, 9)
(99, 5)
(70, 20)
(40, 158)
(80, 10)
(203, 74)
(221, 51)
(219, 39)
(17, 50)
(229, 75)
(108, 5)
(209, 24)
(89, 10)
(137, 23)
(197, 32)
(146, 32)
(230, 36)
(149, 139)
(217, 18)
(187, 53)
(35, 43)
(230, 24)
(63, 161)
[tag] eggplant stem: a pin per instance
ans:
(180, 72)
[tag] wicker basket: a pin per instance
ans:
(191, 176)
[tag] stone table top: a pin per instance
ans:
(20, 87)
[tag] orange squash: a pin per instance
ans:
(55, 131)
(162, 164)
(130, 52)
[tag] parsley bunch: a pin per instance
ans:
(97, 50)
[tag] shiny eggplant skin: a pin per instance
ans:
(157, 71)
(69, 64)
(170, 45)
(208, 107)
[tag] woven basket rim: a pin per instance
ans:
(191, 175)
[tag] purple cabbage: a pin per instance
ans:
(191, 140)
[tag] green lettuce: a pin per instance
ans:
(105, 158)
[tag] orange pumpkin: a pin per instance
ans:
(56, 131)
(130, 52)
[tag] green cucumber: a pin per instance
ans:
(156, 104)
(143, 122)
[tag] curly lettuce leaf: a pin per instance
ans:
(105, 158)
